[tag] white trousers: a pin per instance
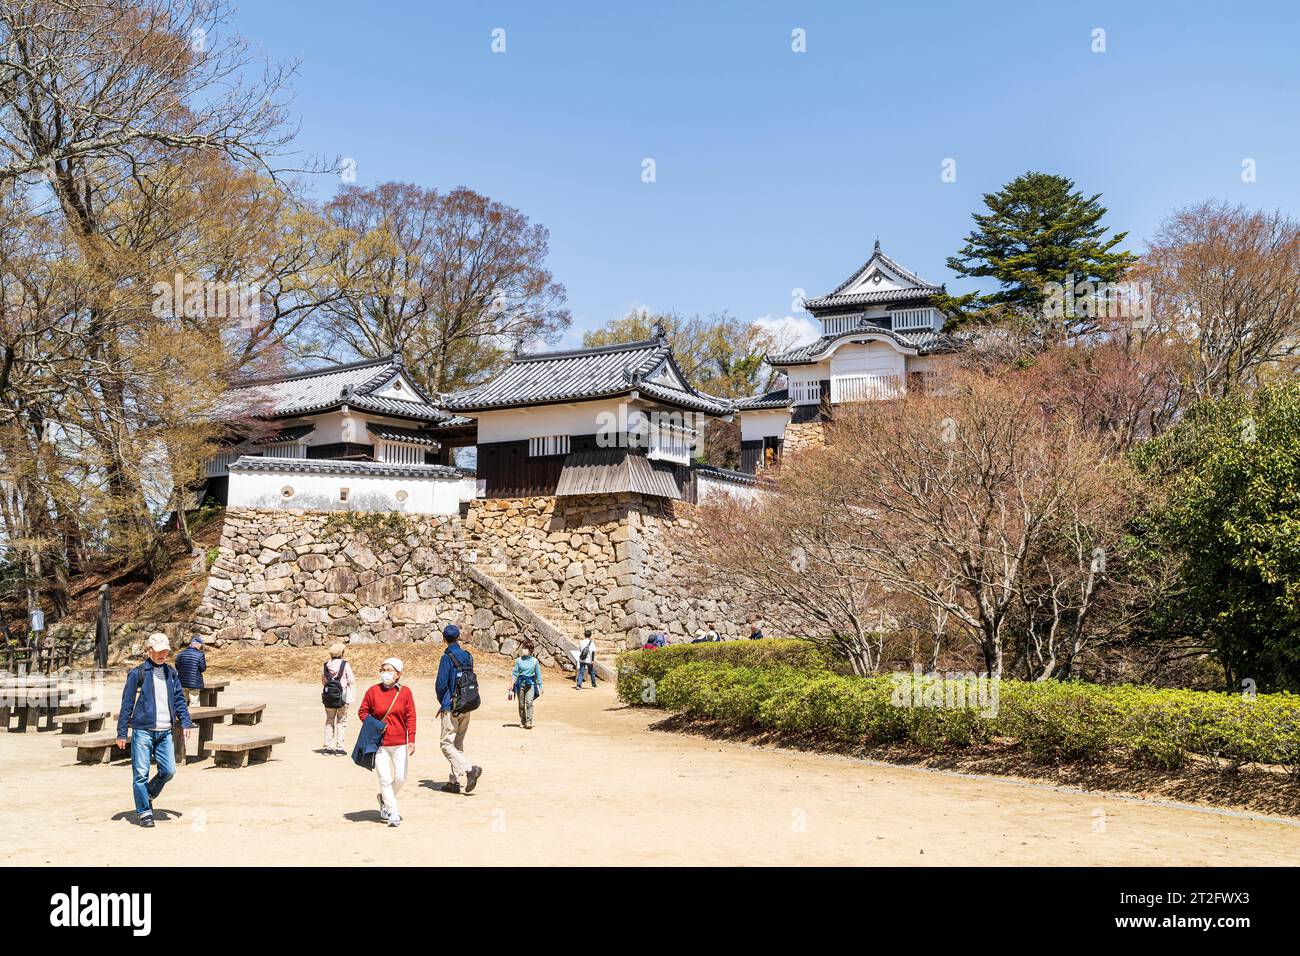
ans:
(390, 767)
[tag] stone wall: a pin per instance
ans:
(314, 578)
(618, 564)
(614, 563)
(803, 435)
(575, 551)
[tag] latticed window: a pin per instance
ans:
(400, 453)
(805, 391)
(219, 464)
(544, 445)
(286, 450)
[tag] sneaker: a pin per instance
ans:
(451, 787)
(471, 778)
(146, 821)
(383, 814)
(394, 821)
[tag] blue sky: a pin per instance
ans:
(776, 170)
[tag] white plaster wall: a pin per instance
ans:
(579, 418)
(708, 489)
(763, 423)
(876, 358)
(261, 489)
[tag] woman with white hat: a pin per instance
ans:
(395, 705)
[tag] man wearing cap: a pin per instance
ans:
(463, 776)
(151, 702)
(394, 704)
(190, 665)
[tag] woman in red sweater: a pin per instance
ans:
(390, 698)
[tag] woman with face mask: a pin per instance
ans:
(395, 705)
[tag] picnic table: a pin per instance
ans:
(208, 693)
(30, 705)
(204, 718)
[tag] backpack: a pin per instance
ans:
(464, 688)
(587, 655)
(331, 694)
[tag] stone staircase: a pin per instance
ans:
(531, 596)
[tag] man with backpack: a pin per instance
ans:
(587, 658)
(458, 696)
(152, 701)
(337, 682)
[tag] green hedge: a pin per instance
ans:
(787, 689)
(635, 668)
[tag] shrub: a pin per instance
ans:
(635, 668)
(1052, 721)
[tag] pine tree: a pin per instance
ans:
(1039, 229)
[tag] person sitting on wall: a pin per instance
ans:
(712, 633)
(654, 642)
(755, 630)
(701, 637)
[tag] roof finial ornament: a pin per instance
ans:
(877, 249)
(660, 333)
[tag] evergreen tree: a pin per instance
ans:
(1038, 229)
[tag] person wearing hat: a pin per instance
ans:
(190, 665)
(463, 777)
(587, 657)
(337, 680)
(152, 701)
(527, 684)
(395, 705)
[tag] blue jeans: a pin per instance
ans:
(590, 669)
(149, 745)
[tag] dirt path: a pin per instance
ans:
(592, 786)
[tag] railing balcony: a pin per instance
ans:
(865, 388)
(838, 324)
(914, 320)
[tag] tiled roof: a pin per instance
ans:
(875, 297)
(329, 466)
(891, 264)
(726, 474)
(285, 435)
(394, 433)
(920, 288)
(777, 399)
(319, 390)
(581, 374)
(924, 343)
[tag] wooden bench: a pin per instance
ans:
(204, 719)
(80, 723)
(247, 750)
(100, 748)
(247, 714)
(209, 691)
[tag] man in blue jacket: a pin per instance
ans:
(151, 702)
(463, 776)
(190, 665)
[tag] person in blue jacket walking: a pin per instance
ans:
(152, 702)
(463, 776)
(190, 665)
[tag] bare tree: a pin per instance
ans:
(975, 508)
(454, 281)
(1227, 280)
